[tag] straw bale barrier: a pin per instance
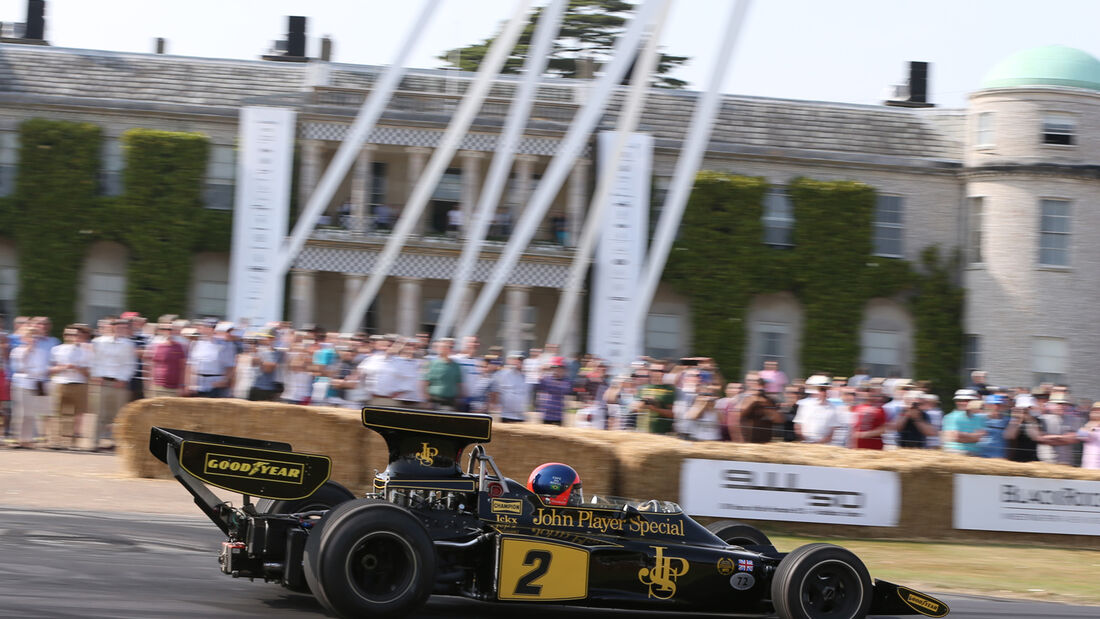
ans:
(334, 432)
(926, 477)
(356, 452)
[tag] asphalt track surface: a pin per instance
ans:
(69, 564)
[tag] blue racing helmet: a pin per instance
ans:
(556, 483)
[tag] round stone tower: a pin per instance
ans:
(1032, 217)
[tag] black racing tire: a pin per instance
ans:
(738, 533)
(821, 581)
(329, 495)
(370, 558)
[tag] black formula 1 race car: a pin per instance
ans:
(430, 527)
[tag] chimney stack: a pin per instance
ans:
(36, 20)
(159, 46)
(326, 48)
(914, 93)
(296, 36)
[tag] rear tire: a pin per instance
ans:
(370, 558)
(329, 495)
(821, 581)
(738, 533)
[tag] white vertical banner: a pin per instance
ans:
(265, 157)
(613, 334)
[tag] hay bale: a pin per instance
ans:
(518, 448)
(336, 433)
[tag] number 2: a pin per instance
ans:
(541, 560)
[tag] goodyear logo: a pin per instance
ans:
(253, 468)
(506, 506)
(426, 455)
(661, 578)
(918, 601)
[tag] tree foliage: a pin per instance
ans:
(589, 29)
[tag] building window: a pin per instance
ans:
(882, 352)
(447, 196)
(1048, 359)
(972, 353)
(432, 309)
(378, 183)
(212, 299)
(1054, 230)
(662, 336)
(778, 219)
(8, 287)
(110, 176)
(770, 344)
(983, 135)
(9, 158)
(974, 230)
(220, 177)
(106, 296)
(888, 227)
(1059, 129)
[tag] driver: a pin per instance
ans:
(556, 484)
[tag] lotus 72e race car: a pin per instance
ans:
(430, 527)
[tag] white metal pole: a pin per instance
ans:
(568, 151)
(533, 67)
(628, 121)
(368, 115)
(686, 167)
(441, 157)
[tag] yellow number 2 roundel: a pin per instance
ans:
(541, 570)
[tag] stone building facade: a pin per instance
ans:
(1011, 180)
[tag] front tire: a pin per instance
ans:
(370, 558)
(738, 533)
(821, 581)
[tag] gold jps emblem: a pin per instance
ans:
(661, 578)
(427, 454)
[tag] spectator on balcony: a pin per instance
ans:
(383, 218)
(558, 229)
(454, 222)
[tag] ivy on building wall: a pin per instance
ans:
(56, 213)
(721, 263)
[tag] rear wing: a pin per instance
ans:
(426, 444)
(252, 467)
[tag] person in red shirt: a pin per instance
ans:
(868, 421)
(168, 360)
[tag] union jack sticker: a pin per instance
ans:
(744, 565)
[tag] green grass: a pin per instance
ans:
(1051, 574)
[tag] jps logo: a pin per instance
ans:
(427, 454)
(661, 578)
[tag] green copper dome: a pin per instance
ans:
(1052, 65)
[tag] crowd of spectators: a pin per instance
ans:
(48, 387)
